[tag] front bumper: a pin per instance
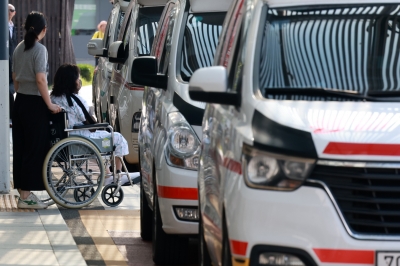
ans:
(303, 220)
(176, 187)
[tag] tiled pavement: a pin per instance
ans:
(102, 236)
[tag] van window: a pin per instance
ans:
(352, 48)
(146, 28)
(200, 41)
(160, 39)
(120, 21)
(167, 38)
(109, 28)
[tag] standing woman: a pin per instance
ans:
(31, 112)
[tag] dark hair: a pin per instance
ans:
(34, 24)
(65, 80)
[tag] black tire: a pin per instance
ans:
(107, 195)
(132, 167)
(204, 256)
(146, 216)
(167, 249)
(226, 248)
(117, 127)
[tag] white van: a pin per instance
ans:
(300, 145)
(125, 98)
(170, 124)
(99, 48)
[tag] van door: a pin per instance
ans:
(105, 67)
(117, 77)
(152, 104)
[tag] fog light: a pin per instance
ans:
(187, 213)
(275, 259)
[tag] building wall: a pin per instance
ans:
(58, 37)
(103, 9)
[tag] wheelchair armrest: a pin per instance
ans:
(100, 125)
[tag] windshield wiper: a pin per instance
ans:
(319, 92)
(384, 93)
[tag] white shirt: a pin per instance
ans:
(10, 27)
(75, 113)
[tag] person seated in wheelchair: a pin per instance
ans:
(66, 82)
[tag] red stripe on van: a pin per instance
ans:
(134, 88)
(181, 193)
(342, 148)
(345, 256)
(239, 247)
(233, 165)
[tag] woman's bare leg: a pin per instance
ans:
(24, 194)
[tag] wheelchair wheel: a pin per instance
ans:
(73, 166)
(107, 195)
(82, 194)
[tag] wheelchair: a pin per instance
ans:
(74, 168)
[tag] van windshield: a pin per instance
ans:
(346, 48)
(200, 41)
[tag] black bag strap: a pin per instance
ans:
(88, 117)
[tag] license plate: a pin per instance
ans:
(387, 258)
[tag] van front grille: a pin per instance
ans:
(369, 198)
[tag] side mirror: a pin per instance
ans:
(95, 48)
(145, 73)
(210, 85)
(117, 53)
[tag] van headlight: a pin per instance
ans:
(266, 170)
(183, 146)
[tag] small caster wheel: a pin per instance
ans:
(83, 194)
(107, 195)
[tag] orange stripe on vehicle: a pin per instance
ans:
(342, 148)
(181, 193)
(134, 88)
(239, 247)
(345, 256)
(233, 165)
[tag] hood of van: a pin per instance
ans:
(330, 130)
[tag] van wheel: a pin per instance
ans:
(204, 256)
(167, 249)
(117, 127)
(146, 215)
(226, 248)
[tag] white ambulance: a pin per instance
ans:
(170, 124)
(300, 160)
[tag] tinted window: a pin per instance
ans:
(200, 41)
(120, 21)
(355, 48)
(147, 26)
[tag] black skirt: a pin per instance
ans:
(30, 141)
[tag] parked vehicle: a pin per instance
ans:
(125, 98)
(99, 48)
(300, 145)
(170, 123)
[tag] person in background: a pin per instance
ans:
(31, 129)
(101, 29)
(12, 37)
(100, 34)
